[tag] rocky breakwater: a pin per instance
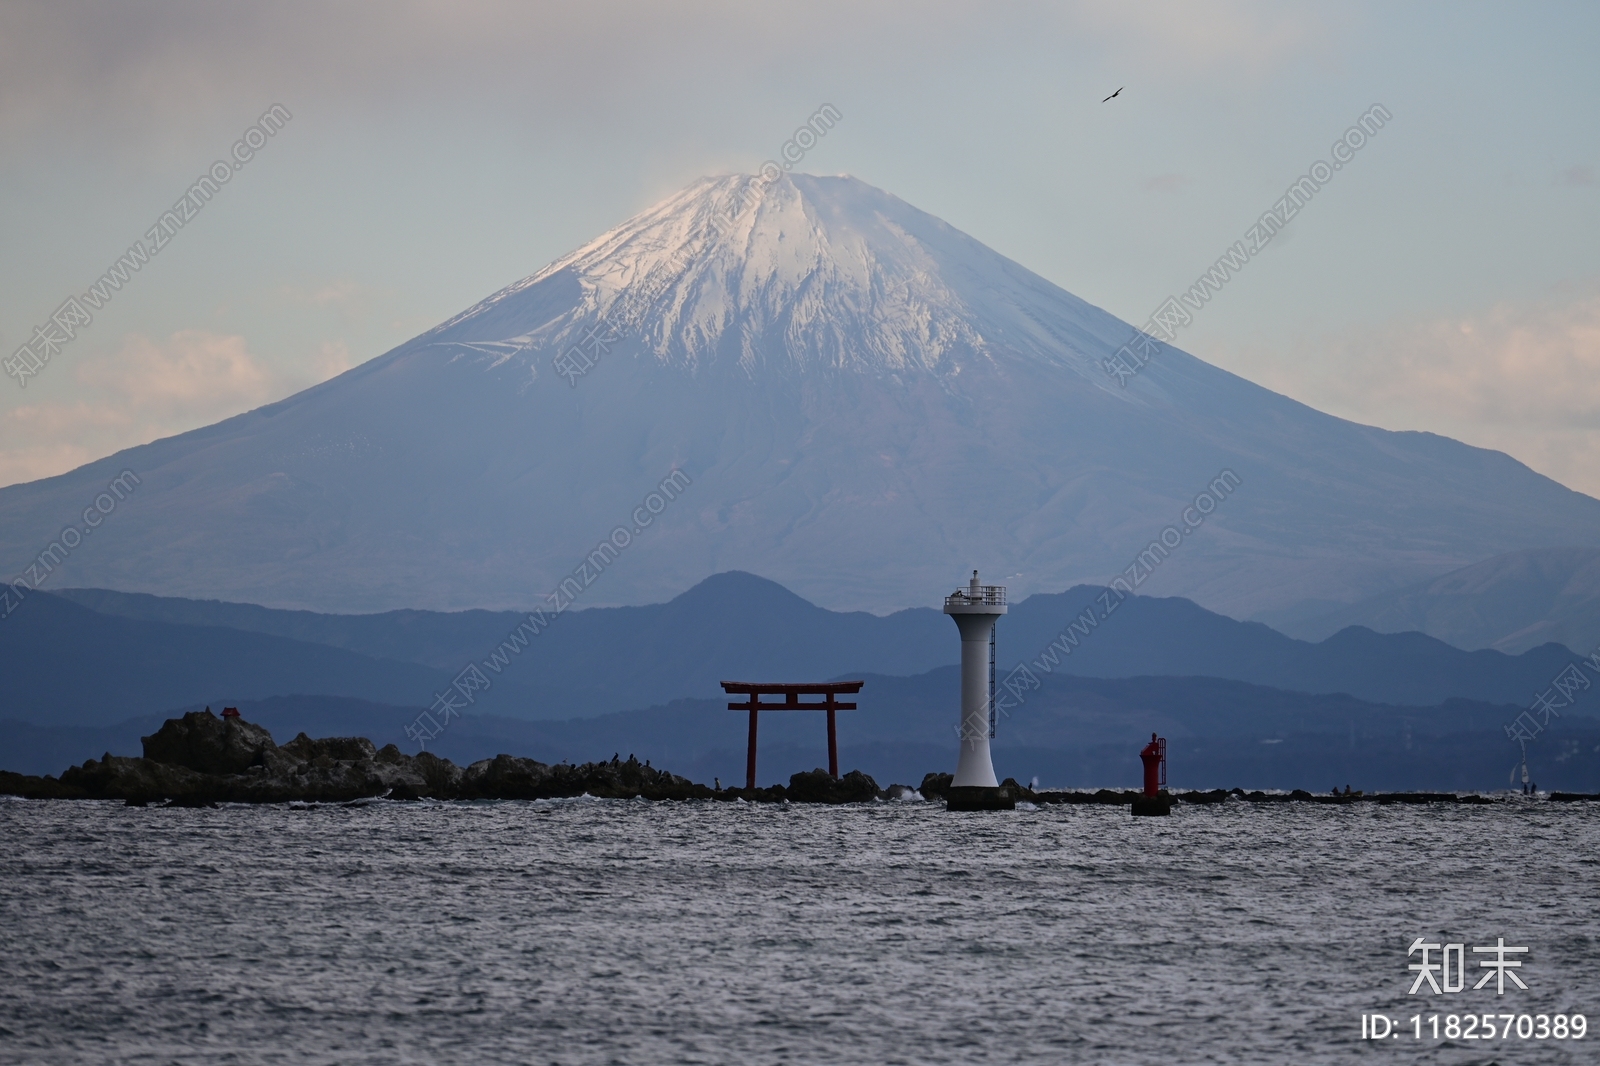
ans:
(815, 786)
(201, 759)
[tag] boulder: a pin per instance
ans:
(1022, 792)
(440, 778)
(206, 744)
(818, 786)
(119, 777)
(934, 786)
(403, 791)
(336, 749)
(507, 777)
(30, 787)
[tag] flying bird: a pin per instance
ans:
(1114, 95)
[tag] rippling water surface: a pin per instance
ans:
(588, 931)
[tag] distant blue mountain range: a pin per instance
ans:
(91, 671)
(96, 657)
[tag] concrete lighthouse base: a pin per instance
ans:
(1159, 804)
(979, 798)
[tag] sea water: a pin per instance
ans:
(586, 931)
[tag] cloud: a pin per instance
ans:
(174, 66)
(40, 440)
(333, 359)
(1521, 377)
(1577, 175)
(190, 373)
(147, 390)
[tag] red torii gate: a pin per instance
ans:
(791, 702)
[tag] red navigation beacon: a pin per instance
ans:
(1154, 756)
(1155, 799)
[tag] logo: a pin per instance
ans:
(1449, 974)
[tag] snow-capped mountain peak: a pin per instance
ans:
(800, 273)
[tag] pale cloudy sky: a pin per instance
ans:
(1447, 278)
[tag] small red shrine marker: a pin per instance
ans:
(791, 694)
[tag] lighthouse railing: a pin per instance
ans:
(983, 595)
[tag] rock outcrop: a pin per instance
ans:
(206, 744)
(202, 759)
(509, 777)
(818, 786)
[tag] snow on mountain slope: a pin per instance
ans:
(805, 275)
(867, 402)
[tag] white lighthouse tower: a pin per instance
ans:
(976, 609)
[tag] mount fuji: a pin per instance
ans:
(864, 404)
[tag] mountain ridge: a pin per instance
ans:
(1509, 603)
(741, 626)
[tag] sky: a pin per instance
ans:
(1445, 278)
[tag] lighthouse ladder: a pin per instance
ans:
(992, 719)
